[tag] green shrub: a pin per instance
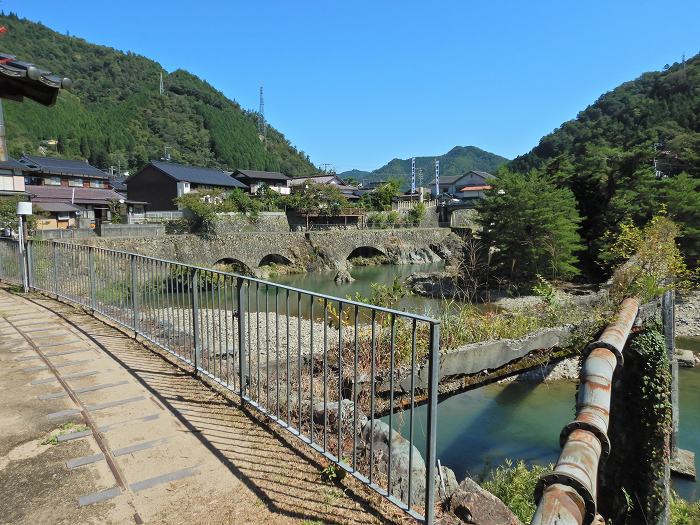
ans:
(684, 512)
(515, 486)
(416, 215)
(392, 218)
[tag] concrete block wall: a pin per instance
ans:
(132, 230)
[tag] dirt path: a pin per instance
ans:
(142, 440)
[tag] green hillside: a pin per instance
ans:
(606, 156)
(114, 114)
(455, 162)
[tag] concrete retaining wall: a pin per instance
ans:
(489, 355)
(132, 230)
(79, 233)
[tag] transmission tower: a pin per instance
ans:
(161, 83)
(262, 125)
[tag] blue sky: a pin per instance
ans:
(357, 83)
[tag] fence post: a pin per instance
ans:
(30, 276)
(134, 292)
(91, 276)
(55, 268)
(241, 337)
(431, 438)
(668, 303)
(194, 296)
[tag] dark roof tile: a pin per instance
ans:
(261, 175)
(57, 166)
(197, 175)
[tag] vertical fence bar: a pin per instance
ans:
(30, 272)
(194, 297)
(241, 337)
(340, 381)
(392, 343)
(430, 459)
(668, 321)
(91, 278)
(134, 291)
(409, 501)
(55, 268)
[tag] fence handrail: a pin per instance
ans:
(346, 301)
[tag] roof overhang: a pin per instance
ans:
(56, 206)
(21, 79)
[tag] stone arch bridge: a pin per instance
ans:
(311, 250)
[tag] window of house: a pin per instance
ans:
(6, 183)
(52, 181)
(98, 184)
(75, 182)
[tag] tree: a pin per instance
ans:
(325, 199)
(381, 198)
(682, 197)
(531, 225)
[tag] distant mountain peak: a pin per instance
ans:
(456, 161)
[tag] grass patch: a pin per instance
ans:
(514, 485)
(65, 428)
(683, 512)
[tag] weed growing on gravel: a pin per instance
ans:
(65, 428)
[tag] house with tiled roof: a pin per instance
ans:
(275, 180)
(55, 171)
(161, 182)
(470, 185)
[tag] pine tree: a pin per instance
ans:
(532, 226)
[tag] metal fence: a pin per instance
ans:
(10, 264)
(327, 369)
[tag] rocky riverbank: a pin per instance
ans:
(688, 314)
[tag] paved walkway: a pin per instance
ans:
(95, 427)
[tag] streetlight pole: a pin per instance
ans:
(23, 208)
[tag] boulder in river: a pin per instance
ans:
(343, 276)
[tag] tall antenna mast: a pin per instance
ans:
(161, 83)
(262, 125)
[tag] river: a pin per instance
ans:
(365, 276)
(479, 430)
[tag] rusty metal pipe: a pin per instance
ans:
(616, 333)
(577, 467)
(568, 496)
(561, 505)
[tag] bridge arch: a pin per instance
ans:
(230, 264)
(366, 251)
(275, 258)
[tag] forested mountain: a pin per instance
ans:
(455, 162)
(114, 114)
(632, 151)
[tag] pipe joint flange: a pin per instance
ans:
(564, 479)
(602, 344)
(599, 433)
